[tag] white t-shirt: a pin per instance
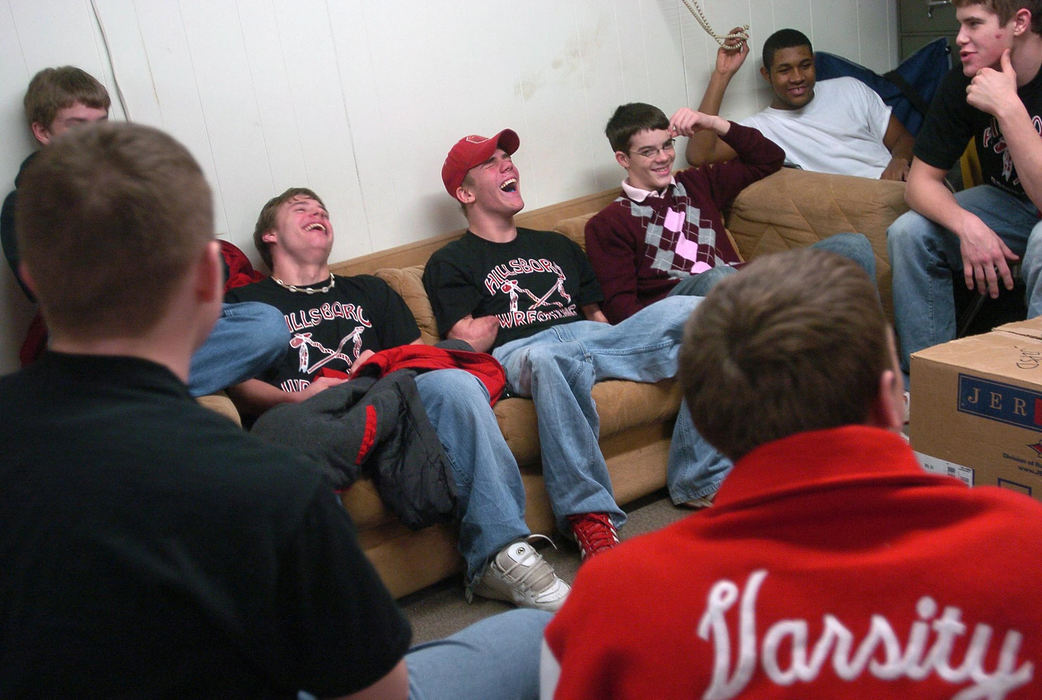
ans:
(839, 131)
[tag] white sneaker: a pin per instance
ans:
(519, 574)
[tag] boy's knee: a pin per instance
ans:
(456, 386)
(1034, 244)
(909, 229)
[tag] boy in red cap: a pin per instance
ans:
(532, 300)
(338, 323)
(831, 564)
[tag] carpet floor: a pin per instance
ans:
(440, 610)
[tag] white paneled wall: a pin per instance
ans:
(361, 100)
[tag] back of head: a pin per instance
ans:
(54, 89)
(630, 119)
(266, 220)
(796, 341)
(1005, 9)
(109, 219)
(783, 39)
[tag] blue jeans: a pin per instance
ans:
(924, 256)
(248, 338)
(558, 367)
(489, 490)
(497, 657)
(854, 246)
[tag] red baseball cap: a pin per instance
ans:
(474, 150)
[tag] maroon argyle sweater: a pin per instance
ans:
(640, 250)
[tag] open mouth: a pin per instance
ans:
(315, 227)
(510, 185)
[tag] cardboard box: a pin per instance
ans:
(976, 409)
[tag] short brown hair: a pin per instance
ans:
(630, 119)
(1005, 9)
(54, 89)
(796, 341)
(268, 214)
(109, 219)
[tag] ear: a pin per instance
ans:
(209, 283)
(888, 407)
(27, 277)
(41, 133)
(765, 74)
(269, 236)
(464, 195)
(1021, 21)
(622, 159)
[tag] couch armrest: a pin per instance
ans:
(795, 208)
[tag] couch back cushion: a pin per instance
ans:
(575, 227)
(408, 282)
(796, 208)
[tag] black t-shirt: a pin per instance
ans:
(331, 329)
(7, 228)
(951, 122)
(150, 548)
(538, 280)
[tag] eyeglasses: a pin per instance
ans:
(651, 152)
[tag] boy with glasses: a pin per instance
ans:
(664, 234)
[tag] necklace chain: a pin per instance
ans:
(729, 41)
(306, 290)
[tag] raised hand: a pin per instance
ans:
(687, 122)
(731, 56)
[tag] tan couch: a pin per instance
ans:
(788, 209)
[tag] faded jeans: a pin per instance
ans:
(248, 338)
(489, 490)
(924, 256)
(558, 367)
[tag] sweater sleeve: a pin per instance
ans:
(757, 158)
(613, 254)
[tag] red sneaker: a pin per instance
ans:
(594, 533)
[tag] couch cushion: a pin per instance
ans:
(796, 208)
(408, 282)
(220, 403)
(621, 406)
(575, 227)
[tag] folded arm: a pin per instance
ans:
(995, 92)
(480, 332)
